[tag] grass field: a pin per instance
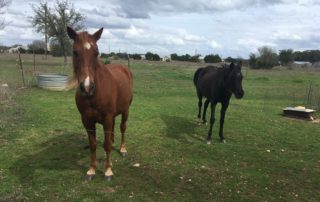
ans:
(267, 157)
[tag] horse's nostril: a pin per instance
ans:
(92, 86)
(82, 88)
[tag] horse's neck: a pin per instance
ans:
(102, 72)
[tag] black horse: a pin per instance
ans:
(217, 84)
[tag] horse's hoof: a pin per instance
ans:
(223, 141)
(208, 141)
(89, 177)
(108, 178)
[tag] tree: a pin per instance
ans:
(174, 56)
(149, 56)
(3, 4)
(56, 20)
(156, 57)
(286, 56)
(307, 56)
(266, 58)
(253, 61)
(212, 58)
(37, 46)
(152, 57)
(40, 22)
(136, 56)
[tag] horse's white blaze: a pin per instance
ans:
(87, 82)
(108, 172)
(91, 171)
(87, 45)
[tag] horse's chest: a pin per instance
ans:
(91, 109)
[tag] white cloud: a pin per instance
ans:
(214, 44)
(227, 27)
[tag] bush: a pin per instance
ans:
(286, 56)
(185, 57)
(267, 59)
(107, 61)
(136, 56)
(212, 58)
(152, 57)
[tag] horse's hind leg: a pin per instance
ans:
(212, 119)
(112, 134)
(123, 127)
(199, 107)
(206, 103)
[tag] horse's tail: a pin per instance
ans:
(72, 83)
(196, 75)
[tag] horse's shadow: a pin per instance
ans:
(180, 128)
(63, 152)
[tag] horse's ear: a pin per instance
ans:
(98, 33)
(71, 33)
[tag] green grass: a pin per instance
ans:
(267, 157)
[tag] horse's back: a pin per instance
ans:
(124, 84)
(120, 72)
(209, 80)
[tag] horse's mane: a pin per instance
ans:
(72, 83)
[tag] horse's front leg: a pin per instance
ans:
(224, 108)
(107, 127)
(91, 131)
(212, 119)
(205, 107)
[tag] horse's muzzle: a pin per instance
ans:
(239, 95)
(87, 90)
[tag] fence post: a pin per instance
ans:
(34, 62)
(21, 68)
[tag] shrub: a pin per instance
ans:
(212, 58)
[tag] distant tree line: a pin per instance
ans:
(186, 57)
(266, 58)
(125, 56)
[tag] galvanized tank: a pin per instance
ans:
(52, 81)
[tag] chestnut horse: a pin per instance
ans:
(103, 92)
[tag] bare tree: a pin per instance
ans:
(3, 4)
(40, 22)
(55, 22)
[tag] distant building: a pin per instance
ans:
(166, 59)
(143, 56)
(15, 49)
(302, 63)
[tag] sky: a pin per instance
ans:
(233, 28)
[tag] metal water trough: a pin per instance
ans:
(299, 112)
(52, 81)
